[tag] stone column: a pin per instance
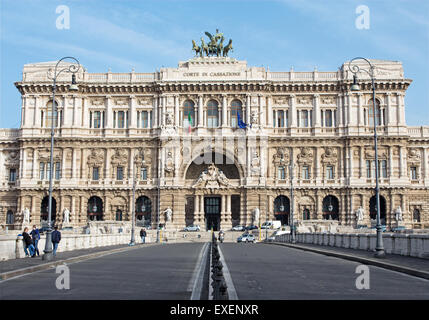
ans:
(262, 116)
(224, 111)
(269, 117)
(401, 109)
(37, 114)
(196, 208)
(34, 167)
(316, 108)
(201, 213)
(247, 109)
(425, 163)
(63, 164)
(340, 110)
(132, 113)
(200, 111)
(85, 120)
(223, 204)
(109, 112)
(176, 110)
(164, 106)
(361, 162)
(360, 108)
(228, 204)
(292, 111)
(402, 164)
(155, 112)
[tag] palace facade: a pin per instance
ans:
(213, 140)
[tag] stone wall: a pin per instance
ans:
(414, 245)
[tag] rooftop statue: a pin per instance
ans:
(214, 47)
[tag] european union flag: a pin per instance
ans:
(241, 124)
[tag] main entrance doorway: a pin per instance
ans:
(212, 213)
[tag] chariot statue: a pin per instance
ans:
(214, 47)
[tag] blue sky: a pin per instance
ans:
(146, 35)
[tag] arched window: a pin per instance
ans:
(44, 209)
(9, 217)
(330, 208)
(144, 210)
(212, 114)
(377, 113)
(282, 209)
(373, 208)
(188, 114)
(416, 215)
(95, 208)
(236, 108)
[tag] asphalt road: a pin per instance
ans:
(258, 272)
(158, 272)
(261, 271)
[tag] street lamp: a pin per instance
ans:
(73, 68)
(133, 213)
(355, 69)
(292, 227)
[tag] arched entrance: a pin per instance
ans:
(282, 209)
(373, 209)
(330, 208)
(44, 209)
(212, 206)
(95, 209)
(144, 210)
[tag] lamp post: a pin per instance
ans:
(355, 69)
(133, 211)
(73, 68)
(292, 226)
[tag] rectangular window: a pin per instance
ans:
(12, 175)
(368, 168)
(144, 119)
(114, 119)
(42, 171)
(305, 172)
(413, 171)
(48, 170)
(330, 172)
(97, 119)
(119, 173)
(328, 118)
(304, 118)
(57, 171)
(121, 119)
(274, 119)
(287, 118)
(282, 173)
(383, 167)
(143, 174)
(280, 119)
(95, 173)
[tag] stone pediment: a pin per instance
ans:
(212, 177)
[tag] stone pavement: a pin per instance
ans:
(17, 264)
(391, 261)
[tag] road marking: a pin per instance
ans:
(232, 294)
(196, 282)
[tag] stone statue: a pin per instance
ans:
(398, 214)
(168, 214)
(227, 48)
(359, 214)
(197, 49)
(26, 215)
(254, 115)
(255, 214)
(66, 213)
(169, 118)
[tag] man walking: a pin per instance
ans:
(56, 238)
(143, 235)
(35, 235)
(28, 242)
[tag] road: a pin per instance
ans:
(157, 272)
(261, 271)
(258, 272)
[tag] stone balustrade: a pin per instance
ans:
(414, 245)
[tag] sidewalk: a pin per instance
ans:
(15, 267)
(418, 267)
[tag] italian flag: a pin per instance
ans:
(189, 122)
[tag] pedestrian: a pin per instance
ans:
(35, 235)
(28, 243)
(56, 238)
(143, 235)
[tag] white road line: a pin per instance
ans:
(232, 294)
(196, 282)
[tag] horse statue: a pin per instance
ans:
(220, 46)
(227, 48)
(197, 49)
(212, 44)
(204, 47)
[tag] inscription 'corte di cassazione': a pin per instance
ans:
(212, 74)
